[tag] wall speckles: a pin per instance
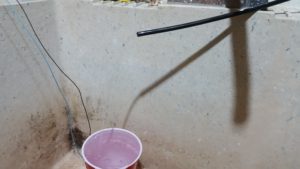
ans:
(185, 80)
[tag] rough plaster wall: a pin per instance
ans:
(232, 104)
(229, 99)
(291, 4)
(32, 116)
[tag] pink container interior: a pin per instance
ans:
(112, 149)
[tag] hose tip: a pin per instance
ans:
(139, 34)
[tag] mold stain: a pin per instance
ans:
(43, 139)
(79, 137)
(140, 165)
(48, 140)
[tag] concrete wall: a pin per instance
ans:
(291, 4)
(222, 95)
(32, 115)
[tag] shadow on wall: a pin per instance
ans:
(238, 31)
(241, 68)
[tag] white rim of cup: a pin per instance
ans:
(118, 129)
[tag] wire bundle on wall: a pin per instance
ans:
(69, 114)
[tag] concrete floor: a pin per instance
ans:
(71, 160)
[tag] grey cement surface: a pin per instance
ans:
(222, 95)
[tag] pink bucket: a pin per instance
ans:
(112, 148)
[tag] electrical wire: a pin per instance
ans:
(209, 20)
(59, 68)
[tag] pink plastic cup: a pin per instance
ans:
(112, 148)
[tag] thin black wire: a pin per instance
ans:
(49, 55)
(209, 20)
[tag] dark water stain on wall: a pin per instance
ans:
(47, 137)
(79, 137)
(41, 143)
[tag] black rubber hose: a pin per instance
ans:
(208, 20)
